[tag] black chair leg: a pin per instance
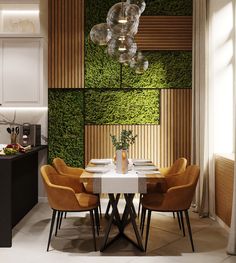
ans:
(65, 215)
(189, 228)
(61, 216)
(99, 205)
(148, 227)
(143, 220)
(58, 220)
(93, 229)
(173, 214)
(182, 222)
(51, 228)
(97, 220)
(178, 216)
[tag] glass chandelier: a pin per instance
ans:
(118, 34)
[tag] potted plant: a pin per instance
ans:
(121, 145)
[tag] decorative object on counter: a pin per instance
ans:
(13, 133)
(122, 145)
(119, 31)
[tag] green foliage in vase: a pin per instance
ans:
(66, 126)
(122, 106)
(124, 141)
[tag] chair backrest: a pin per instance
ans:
(60, 165)
(178, 166)
(182, 192)
(59, 196)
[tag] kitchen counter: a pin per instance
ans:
(18, 190)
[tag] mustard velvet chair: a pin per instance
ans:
(178, 167)
(64, 195)
(178, 197)
(63, 169)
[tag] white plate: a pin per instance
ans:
(97, 169)
(148, 172)
(141, 161)
(142, 164)
(145, 168)
(100, 161)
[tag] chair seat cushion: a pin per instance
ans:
(87, 201)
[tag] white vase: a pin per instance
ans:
(121, 161)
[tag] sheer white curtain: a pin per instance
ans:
(202, 101)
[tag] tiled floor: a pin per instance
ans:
(74, 241)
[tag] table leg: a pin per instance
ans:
(129, 201)
(114, 213)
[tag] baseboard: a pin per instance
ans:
(42, 199)
(222, 224)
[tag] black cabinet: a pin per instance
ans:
(18, 190)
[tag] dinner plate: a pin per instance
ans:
(93, 169)
(100, 161)
(142, 164)
(148, 172)
(141, 161)
(145, 168)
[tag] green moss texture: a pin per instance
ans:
(66, 126)
(168, 69)
(137, 106)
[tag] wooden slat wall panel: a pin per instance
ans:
(66, 43)
(165, 33)
(98, 142)
(175, 125)
(224, 181)
(161, 143)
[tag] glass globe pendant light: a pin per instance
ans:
(140, 3)
(100, 34)
(122, 48)
(123, 18)
(139, 63)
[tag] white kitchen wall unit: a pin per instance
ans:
(19, 18)
(21, 72)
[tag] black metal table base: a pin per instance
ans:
(128, 216)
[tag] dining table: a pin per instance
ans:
(105, 180)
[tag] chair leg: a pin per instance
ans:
(143, 220)
(58, 220)
(178, 216)
(182, 222)
(189, 228)
(97, 220)
(173, 214)
(51, 228)
(93, 229)
(148, 227)
(139, 204)
(65, 215)
(61, 216)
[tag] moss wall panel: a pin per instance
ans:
(66, 126)
(166, 70)
(168, 8)
(122, 107)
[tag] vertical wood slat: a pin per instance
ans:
(164, 33)
(224, 179)
(66, 43)
(162, 143)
